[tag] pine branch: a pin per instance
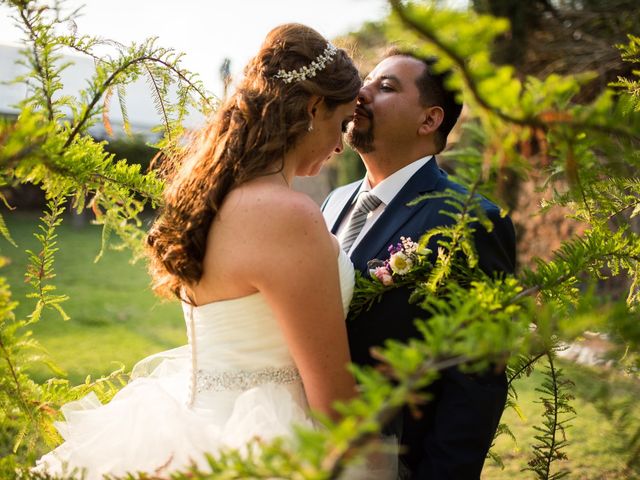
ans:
(89, 109)
(4, 231)
(335, 464)
(123, 110)
(549, 458)
(105, 111)
(16, 382)
(524, 368)
(158, 101)
(556, 402)
(43, 72)
(574, 178)
(542, 121)
(40, 269)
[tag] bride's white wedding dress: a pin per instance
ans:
(234, 381)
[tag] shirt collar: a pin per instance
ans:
(388, 188)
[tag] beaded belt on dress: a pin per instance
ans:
(207, 381)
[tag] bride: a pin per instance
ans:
(264, 286)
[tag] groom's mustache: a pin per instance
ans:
(363, 111)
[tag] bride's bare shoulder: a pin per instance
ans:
(266, 227)
(260, 204)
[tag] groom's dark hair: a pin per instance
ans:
(434, 91)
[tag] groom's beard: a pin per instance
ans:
(360, 141)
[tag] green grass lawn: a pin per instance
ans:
(115, 318)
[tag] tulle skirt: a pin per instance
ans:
(152, 426)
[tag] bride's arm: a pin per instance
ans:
(296, 269)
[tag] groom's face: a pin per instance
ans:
(389, 109)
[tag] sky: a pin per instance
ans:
(207, 31)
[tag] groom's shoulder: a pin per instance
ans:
(491, 210)
(486, 204)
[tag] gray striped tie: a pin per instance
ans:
(366, 203)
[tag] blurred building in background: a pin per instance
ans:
(140, 108)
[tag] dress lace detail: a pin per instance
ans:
(244, 379)
(234, 381)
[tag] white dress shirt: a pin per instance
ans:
(386, 191)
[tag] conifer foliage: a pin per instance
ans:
(470, 320)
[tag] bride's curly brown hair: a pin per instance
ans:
(248, 137)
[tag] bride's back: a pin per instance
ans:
(258, 224)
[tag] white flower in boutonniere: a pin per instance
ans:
(408, 263)
(400, 263)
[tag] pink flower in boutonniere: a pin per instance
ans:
(384, 275)
(403, 257)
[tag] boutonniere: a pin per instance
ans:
(407, 264)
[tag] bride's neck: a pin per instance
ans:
(282, 171)
(274, 176)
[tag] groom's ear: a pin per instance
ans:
(312, 106)
(433, 117)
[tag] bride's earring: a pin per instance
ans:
(310, 127)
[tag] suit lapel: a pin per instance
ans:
(342, 211)
(396, 214)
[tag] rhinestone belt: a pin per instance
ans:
(207, 381)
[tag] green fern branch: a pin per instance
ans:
(40, 269)
(40, 65)
(157, 95)
(123, 110)
(525, 367)
(89, 109)
(550, 446)
(11, 366)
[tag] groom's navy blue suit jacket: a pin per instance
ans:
(451, 438)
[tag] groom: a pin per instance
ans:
(403, 116)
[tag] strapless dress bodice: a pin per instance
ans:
(243, 333)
